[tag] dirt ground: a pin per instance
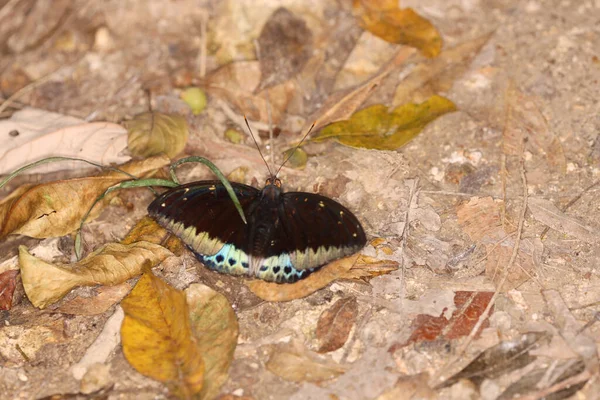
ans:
(491, 214)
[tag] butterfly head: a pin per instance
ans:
(273, 181)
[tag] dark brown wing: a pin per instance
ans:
(203, 215)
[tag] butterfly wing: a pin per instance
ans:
(313, 230)
(204, 217)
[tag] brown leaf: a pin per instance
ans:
(504, 357)
(469, 307)
(103, 298)
(295, 363)
(236, 82)
(480, 219)
(335, 323)
(8, 282)
(285, 45)
(56, 208)
(341, 105)
(112, 264)
(384, 19)
(409, 388)
(215, 328)
(157, 336)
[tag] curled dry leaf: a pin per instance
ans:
(8, 282)
(547, 213)
(270, 291)
(103, 298)
(335, 324)
(56, 208)
(112, 264)
(147, 230)
(43, 134)
(295, 363)
(384, 19)
(215, 327)
(157, 336)
(377, 128)
(154, 133)
(285, 45)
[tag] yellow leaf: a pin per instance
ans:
(215, 327)
(376, 128)
(154, 133)
(46, 283)
(384, 19)
(56, 208)
(146, 230)
(157, 336)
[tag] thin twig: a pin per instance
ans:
(574, 380)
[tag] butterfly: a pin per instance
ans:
(288, 235)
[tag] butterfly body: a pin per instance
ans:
(288, 235)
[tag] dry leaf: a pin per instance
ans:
(285, 45)
(409, 388)
(271, 291)
(341, 105)
(236, 82)
(157, 336)
(438, 72)
(469, 308)
(155, 133)
(376, 128)
(295, 363)
(335, 323)
(480, 219)
(114, 263)
(146, 230)
(8, 282)
(38, 134)
(384, 19)
(215, 327)
(547, 213)
(56, 208)
(500, 359)
(103, 298)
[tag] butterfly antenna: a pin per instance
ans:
(296, 148)
(257, 146)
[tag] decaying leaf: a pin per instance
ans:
(8, 282)
(154, 133)
(195, 98)
(469, 307)
(338, 269)
(547, 213)
(43, 134)
(285, 45)
(297, 158)
(236, 83)
(335, 323)
(342, 104)
(112, 264)
(385, 19)
(215, 327)
(410, 387)
(56, 208)
(295, 363)
(506, 356)
(480, 219)
(376, 128)
(157, 336)
(103, 298)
